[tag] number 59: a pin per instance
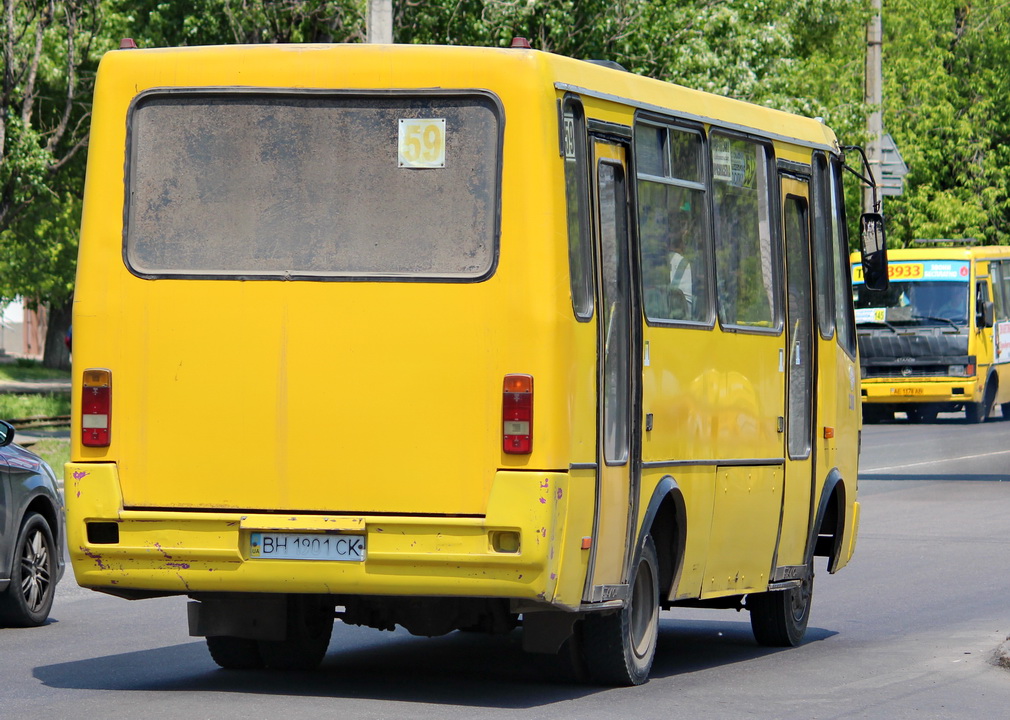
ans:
(422, 143)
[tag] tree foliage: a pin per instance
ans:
(947, 93)
(946, 89)
(50, 52)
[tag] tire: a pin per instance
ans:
(618, 647)
(873, 414)
(235, 653)
(310, 624)
(922, 415)
(29, 597)
(1005, 409)
(779, 618)
(980, 412)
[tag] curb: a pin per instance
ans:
(45, 386)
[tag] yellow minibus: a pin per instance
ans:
(457, 338)
(938, 340)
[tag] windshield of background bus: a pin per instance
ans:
(922, 292)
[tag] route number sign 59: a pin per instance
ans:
(421, 143)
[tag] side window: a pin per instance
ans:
(998, 272)
(824, 255)
(580, 258)
(747, 278)
(673, 223)
(798, 329)
(1005, 282)
(844, 319)
(981, 297)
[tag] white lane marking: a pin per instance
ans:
(935, 462)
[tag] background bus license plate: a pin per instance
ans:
(906, 391)
(307, 546)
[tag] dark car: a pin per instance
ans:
(31, 534)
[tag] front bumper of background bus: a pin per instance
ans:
(184, 552)
(950, 391)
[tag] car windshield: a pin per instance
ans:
(913, 302)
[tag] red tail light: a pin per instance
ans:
(517, 414)
(96, 408)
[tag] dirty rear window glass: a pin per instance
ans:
(283, 185)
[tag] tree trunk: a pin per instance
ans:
(56, 354)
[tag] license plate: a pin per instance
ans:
(907, 391)
(306, 546)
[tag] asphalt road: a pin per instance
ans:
(908, 630)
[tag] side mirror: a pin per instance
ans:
(986, 315)
(874, 251)
(6, 433)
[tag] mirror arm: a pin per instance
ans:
(868, 177)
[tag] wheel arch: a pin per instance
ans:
(665, 519)
(828, 529)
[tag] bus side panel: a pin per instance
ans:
(712, 395)
(697, 485)
(717, 395)
(744, 530)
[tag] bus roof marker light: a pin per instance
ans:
(520, 43)
(517, 414)
(127, 44)
(96, 407)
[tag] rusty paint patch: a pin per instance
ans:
(160, 549)
(94, 556)
(543, 501)
(560, 493)
(80, 474)
(180, 565)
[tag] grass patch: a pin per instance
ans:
(22, 370)
(54, 451)
(24, 405)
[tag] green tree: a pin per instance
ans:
(157, 23)
(49, 57)
(946, 100)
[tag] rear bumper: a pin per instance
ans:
(187, 552)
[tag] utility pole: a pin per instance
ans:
(874, 98)
(379, 21)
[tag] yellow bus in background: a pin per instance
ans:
(456, 338)
(938, 340)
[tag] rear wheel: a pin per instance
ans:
(618, 648)
(29, 597)
(310, 623)
(779, 619)
(234, 653)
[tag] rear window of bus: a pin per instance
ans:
(288, 185)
